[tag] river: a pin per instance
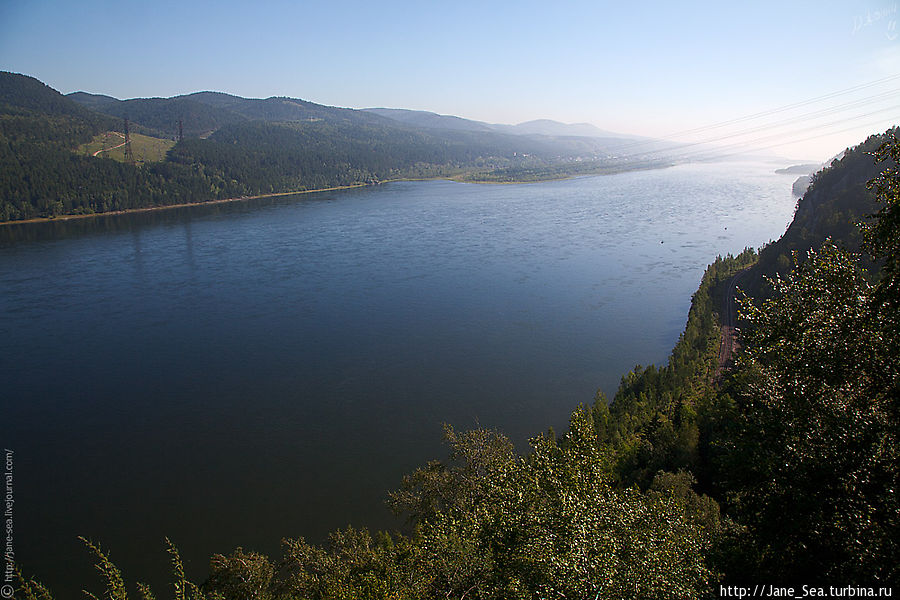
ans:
(227, 376)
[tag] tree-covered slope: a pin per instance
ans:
(43, 176)
(658, 419)
(235, 147)
(201, 113)
(91, 101)
(835, 204)
(24, 92)
(160, 116)
(798, 442)
(664, 417)
(266, 156)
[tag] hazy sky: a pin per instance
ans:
(633, 67)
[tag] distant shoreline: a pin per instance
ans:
(129, 211)
(459, 178)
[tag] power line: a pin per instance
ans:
(787, 107)
(792, 141)
(630, 148)
(776, 135)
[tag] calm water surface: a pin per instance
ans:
(233, 375)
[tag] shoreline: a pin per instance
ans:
(129, 211)
(459, 178)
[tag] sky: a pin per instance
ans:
(644, 68)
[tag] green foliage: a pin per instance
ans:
(883, 236)
(476, 457)
(31, 589)
(592, 539)
(837, 201)
(43, 177)
(800, 441)
(490, 524)
(352, 565)
(553, 524)
(146, 593)
(657, 420)
(184, 589)
(807, 449)
(813, 460)
(115, 584)
(239, 575)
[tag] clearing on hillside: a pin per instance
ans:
(111, 144)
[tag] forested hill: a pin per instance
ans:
(55, 151)
(420, 118)
(201, 113)
(835, 204)
(798, 443)
(660, 417)
(666, 418)
(45, 175)
(27, 93)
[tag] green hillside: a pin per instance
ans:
(160, 116)
(797, 444)
(44, 175)
(24, 92)
(111, 144)
(834, 206)
(235, 147)
(203, 112)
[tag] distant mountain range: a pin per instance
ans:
(420, 118)
(202, 113)
(220, 109)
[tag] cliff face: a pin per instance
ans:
(833, 206)
(801, 185)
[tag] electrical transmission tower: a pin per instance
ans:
(129, 155)
(180, 130)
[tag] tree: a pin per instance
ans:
(553, 524)
(883, 236)
(813, 463)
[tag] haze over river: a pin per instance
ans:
(232, 375)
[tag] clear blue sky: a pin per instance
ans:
(635, 67)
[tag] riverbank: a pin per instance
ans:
(558, 173)
(464, 177)
(130, 211)
(173, 206)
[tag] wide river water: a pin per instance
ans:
(228, 376)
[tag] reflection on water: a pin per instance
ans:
(54, 229)
(233, 374)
